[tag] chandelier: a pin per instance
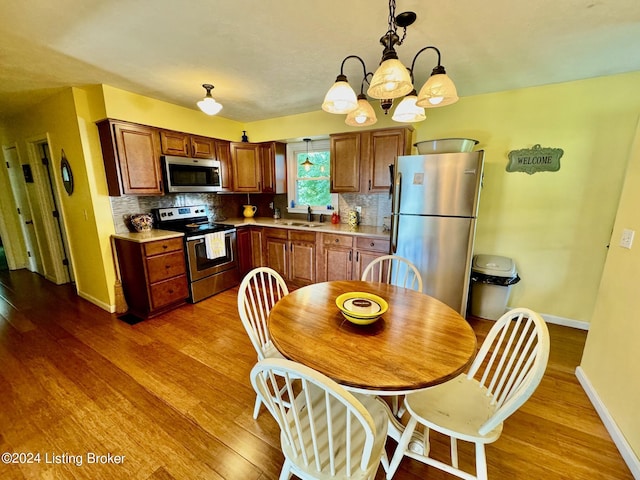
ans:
(390, 81)
(208, 104)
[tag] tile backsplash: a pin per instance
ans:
(375, 207)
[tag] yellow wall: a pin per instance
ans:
(555, 225)
(123, 105)
(611, 354)
(56, 117)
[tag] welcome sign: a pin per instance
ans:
(535, 159)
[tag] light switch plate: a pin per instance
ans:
(626, 240)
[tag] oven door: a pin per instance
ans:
(192, 175)
(200, 266)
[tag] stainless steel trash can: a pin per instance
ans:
(491, 279)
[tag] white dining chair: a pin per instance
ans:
(394, 270)
(472, 407)
(326, 432)
(259, 291)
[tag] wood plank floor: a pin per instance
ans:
(170, 398)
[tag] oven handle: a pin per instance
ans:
(201, 237)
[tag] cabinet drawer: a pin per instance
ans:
(275, 233)
(161, 267)
(163, 246)
(373, 244)
(337, 240)
(302, 236)
(169, 291)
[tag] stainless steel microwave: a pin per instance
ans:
(191, 174)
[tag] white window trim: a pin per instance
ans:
(293, 149)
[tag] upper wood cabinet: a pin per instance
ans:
(258, 167)
(186, 145)
(131, 154)
(223, 154)
(245, 167)
(360, 160)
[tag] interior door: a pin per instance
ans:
(19, 177)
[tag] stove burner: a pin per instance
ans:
(189, 220)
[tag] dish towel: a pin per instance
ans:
(215, 245)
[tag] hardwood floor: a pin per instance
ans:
(169, 398)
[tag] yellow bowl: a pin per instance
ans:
(361, 308)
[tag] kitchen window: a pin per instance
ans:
(309, 182)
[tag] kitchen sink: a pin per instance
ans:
(299, 224)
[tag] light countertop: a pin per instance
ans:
(324, 227)
(150, 236)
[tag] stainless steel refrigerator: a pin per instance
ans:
(435, 204)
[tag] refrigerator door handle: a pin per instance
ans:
(396, 193)
(395, 218)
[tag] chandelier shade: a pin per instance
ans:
(438, 91)
(340, 98)
(363, 115)
(208, 104)
(391, 80)
(407, 111)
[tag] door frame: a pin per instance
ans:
(57, 267)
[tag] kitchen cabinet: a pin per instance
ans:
(258, 256)
(366, 250)
(344, 257)
(186, 145)
(335, 261)
(245, 257)
(360, 160)
(223, 155)
(258, 167)
(273, 167)
(154, 276)
(131, 155)
(292, 253)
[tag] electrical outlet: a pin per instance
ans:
(626, 240)
(271, 205)
(359, 210)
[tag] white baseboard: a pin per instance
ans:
(566, 322)
(95, 301)
(628, 455)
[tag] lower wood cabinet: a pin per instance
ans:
(154, 276)
(291, 253)
(344, 257)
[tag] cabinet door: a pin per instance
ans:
(245, 258)
(258, 248)
(139, 158)
(337, 264)
(303, 262)
(245, 159)
(345, 162)
(277, 258)
(223, 154)
(367, 250)
(274, 169)
(203, 147)
(174, 143)
(384, 147)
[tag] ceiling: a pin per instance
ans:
(269, 58)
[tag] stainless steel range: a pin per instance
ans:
(210, 249)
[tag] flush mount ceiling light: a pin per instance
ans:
(392, 80)
(208, 104)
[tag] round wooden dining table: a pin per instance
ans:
(418, 342)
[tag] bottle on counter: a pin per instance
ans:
(335, 217)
